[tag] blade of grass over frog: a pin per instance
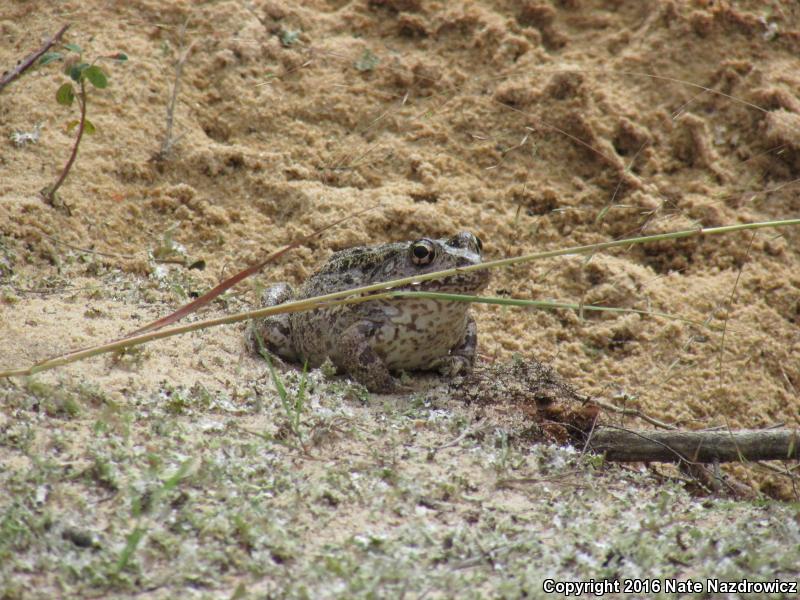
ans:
(192, 306)
(341, 297)
(672, 235)
(546, 304)
(130, 342)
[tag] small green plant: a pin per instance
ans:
(79, 72)
(289, 37)
(293, 407)
(134, 538)
(367, 62)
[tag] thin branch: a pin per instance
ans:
(29, 60)
(729, 306)
(169, 141)
(633, 412)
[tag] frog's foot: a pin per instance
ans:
(272, 333)
(451, 366)
(462, 357)
(362, 363)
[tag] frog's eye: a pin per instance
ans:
(422, 252)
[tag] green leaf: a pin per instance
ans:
(120, 56)
(76, 70)
(88, 126)
(74, 48)
(49, 57)
(65, 95)
(96, 76)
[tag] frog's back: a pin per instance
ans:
(354, 267)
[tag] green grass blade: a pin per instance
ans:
(129, 550)
(545, 304)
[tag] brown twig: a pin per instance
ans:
(633, 412)
(29, 60)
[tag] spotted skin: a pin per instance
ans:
(370, 340)
(278, 334)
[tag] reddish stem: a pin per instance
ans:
(51, 193)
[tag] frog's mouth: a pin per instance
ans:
(460, 283)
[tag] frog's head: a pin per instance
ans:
(462, 250)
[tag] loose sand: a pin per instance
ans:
(536, 126)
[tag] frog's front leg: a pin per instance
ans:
(275, 331)
(462, 357)
(359, 359)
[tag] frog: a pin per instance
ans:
(375, 340)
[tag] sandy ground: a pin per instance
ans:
(535, 125)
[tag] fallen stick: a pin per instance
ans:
(621, 445)
(28, 61)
